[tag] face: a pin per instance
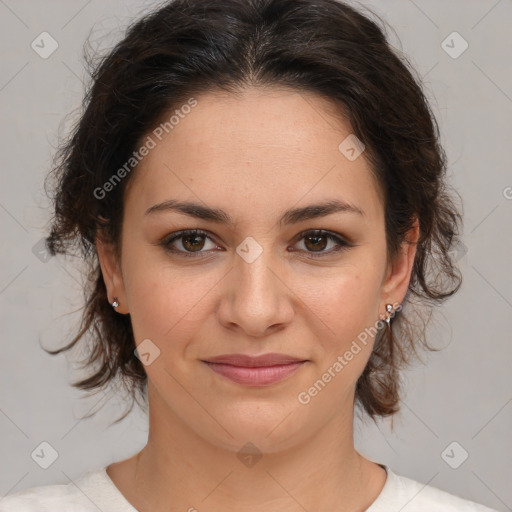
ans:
(254, 280)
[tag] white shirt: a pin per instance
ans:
(95, 491)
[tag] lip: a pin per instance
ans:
(270, 359)
(263, 370)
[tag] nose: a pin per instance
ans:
(256, 299)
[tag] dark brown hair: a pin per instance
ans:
(189, 47)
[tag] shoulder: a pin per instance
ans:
(44, 498)
(408, 495)
(81, 495)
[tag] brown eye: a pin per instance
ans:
(188, 243)
(193, 242)
(316, 241)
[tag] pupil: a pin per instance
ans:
(316, 238)
(194, 245)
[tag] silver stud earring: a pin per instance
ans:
(115, 303)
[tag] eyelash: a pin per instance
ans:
(341, 244)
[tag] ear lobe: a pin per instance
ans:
(399, 275)
(111, 272)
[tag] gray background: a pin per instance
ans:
(463, 394)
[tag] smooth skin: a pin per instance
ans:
(253, 155)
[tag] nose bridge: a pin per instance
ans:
(254, 267)
(258, 299)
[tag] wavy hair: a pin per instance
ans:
(189, 47)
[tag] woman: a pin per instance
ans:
(259, 188)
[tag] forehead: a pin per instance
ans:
(261, 147)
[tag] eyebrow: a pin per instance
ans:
(291, 216)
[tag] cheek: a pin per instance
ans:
(349, 306)
(165, 301)
(350, 299)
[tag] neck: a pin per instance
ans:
(180, 470)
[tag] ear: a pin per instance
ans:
(112, 276)
(399, 270)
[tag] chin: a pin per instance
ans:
(260, 428)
